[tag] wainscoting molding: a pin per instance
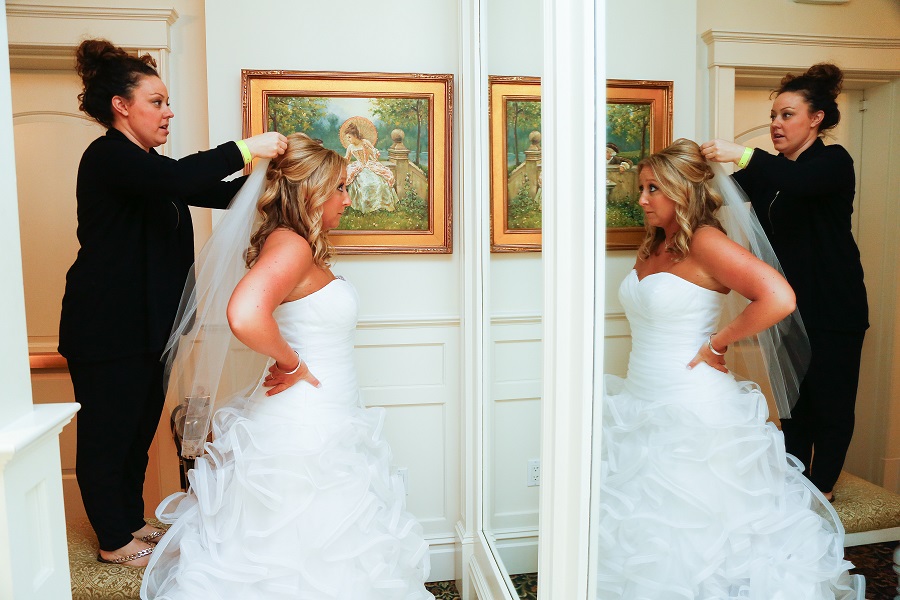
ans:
(410, 367)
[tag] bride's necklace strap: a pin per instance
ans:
(669, 242)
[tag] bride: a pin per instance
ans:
(293, 498)
(698, 498)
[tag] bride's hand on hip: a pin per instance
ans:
(280, 380)
(705, 355)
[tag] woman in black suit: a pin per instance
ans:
(804, 198)
(122, 292)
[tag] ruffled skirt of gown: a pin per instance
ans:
(293, 500)
(700, 501)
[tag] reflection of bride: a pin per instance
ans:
(698, 499)
(370, 183)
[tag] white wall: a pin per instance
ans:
(655, 40)
(408, 343)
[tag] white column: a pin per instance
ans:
(34, 560)
(572, 241)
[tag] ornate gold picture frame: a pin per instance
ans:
(516, 179)
(638, 123)
(394, 129)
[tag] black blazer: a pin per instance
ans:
(805, 207)
(137, 243)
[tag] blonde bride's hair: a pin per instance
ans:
(297, 185)
(684, 176)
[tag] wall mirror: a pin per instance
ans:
(513, 289)
(725, 93)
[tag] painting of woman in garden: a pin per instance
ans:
(369, 182)
(386, 142)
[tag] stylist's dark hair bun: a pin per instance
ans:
(820, 86)
(106, 71)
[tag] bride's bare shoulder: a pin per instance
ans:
(286, 241)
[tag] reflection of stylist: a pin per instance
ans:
(804, 199)
(122, 292)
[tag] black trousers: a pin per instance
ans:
(821, 424)
(121, 402)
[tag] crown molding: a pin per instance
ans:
(45, 36)
(712, 36)
(17, 9)
(767, 53)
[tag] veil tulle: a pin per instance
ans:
(205, 364)
(778, 356)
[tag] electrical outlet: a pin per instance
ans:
(533, 473)
(403, 474)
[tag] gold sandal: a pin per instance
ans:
(125, 559)
(152, 538)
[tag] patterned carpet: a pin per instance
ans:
(874, 561)
(92, 581)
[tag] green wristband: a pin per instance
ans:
(745, 158)
(245, 151)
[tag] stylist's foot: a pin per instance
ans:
(829, 496)
(149, 534)
(133, 547)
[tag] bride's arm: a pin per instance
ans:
(284, 261)
(771, 297)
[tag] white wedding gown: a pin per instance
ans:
(294, 497)
(698, 498)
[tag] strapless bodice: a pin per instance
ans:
(669, 314)
(321, 325)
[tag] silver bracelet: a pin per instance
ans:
(710, 346)
(297, 368)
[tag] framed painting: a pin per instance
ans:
(395, 131)
(515, 147)
(638, 123)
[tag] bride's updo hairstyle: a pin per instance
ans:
(106, 71)
(819, 86)
(297, 185)
(684, 176)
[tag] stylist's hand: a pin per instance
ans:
(279, 380)
(705, 355)
(266, 145)
(722, 151)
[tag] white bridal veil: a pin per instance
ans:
(205, 364)
(779, 355)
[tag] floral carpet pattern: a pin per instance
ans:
(94, 581)
(875, 562)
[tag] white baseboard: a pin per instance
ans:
(518, 550)
(442, 553)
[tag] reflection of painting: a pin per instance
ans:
(638, 123)
(523, 166)
(627, 142)
(391, 128)
(516, 177)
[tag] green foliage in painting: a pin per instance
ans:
(290, 114)
(624, 213)
(522, 117)
(524, 209)
(408, 114)
(628, 125)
